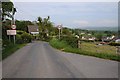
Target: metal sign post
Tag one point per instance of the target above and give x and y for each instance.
(14, 28)
(59, 28)
(11, 32)
(14, 38)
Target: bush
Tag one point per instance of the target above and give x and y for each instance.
(26, 37)
(72, 41)
(5, 42)
(19, 39)
(114, 44)
(58, 44)
(48, 39)
(20, 32)
(23, 37)
(88, 40)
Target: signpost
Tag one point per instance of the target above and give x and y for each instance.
(11, 32)
(59, 28)
(13, 26)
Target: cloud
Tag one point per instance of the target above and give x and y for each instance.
(70, 14)
(66, 0)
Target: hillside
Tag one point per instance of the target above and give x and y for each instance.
(102, 28)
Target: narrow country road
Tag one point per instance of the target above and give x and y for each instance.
(40, 60)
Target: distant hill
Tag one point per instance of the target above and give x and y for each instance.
(102, 28)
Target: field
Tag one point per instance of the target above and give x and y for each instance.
(92, 47)
(89, 49)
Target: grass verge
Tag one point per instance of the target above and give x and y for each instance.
(10, 49)
(62, 45)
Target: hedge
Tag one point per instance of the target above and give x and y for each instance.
(72, 41)
(114, 44)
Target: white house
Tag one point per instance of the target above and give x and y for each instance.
(117, 41)
(92, 38)
(33, 30)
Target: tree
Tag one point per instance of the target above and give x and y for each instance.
(26, 37)
(22, 25)
(7, 8)
(66, 31)
(99, 36)
(45, 25)
(108, 33)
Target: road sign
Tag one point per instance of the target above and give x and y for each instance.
(60, 29)
(13, 26)
(59, 26)
(11, 32)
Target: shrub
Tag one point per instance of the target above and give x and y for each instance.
(20, 32)
(19, 39)
(26, 37)
(58, 44)
(48, 39)
(23, 37)
(72, 41)
(114, 44)
(5, 42)
(88, 40)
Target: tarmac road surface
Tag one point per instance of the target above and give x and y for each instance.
(39, 60)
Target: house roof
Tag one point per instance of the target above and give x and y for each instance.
(33, 28)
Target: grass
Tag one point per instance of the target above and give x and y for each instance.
(92, 47)
(10, 49)
(58, 44)
(62, 45)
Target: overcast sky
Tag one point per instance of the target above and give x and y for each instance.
(71, 14)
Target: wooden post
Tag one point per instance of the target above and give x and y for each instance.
(118, 50)
(79, 44)
(14, 38)
(59, 33)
